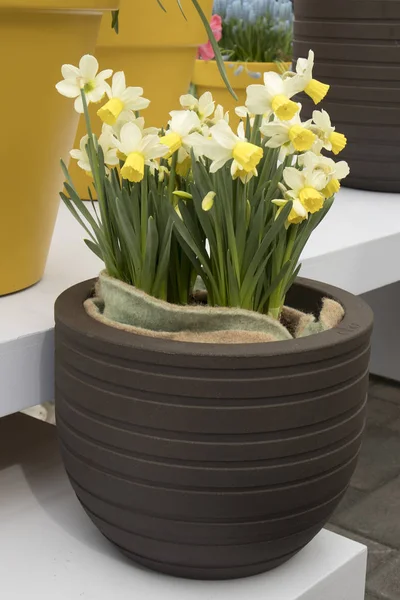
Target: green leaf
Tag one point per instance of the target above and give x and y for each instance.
(95, 248)
(150, 257)
(273, 286)
(270, 236)
(216, 48)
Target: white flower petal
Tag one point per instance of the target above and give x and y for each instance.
(342, 170)
(223, 135)
(88, 66)
(131, 138)
(258, 100)
(274, 83)
(293, 178)
(78, 105)
(70, 72)
(118, 85)
(68, 88)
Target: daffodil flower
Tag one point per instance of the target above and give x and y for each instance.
(130, 117)
(330, 139)
(107, 142)
(204, 107)
(121, 100)
(298, 213)
(86, 78)
(329, 172)
(291, 136)
(305, 186)
(182, 124)
(304, 81)
(139, 150)
(273, 97)
(225, 145)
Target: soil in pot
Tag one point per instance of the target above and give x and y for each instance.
(211, 461)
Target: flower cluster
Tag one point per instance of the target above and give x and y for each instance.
(235, 207)
(255, 30)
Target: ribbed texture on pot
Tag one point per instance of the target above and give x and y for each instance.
(209, 461)
(357, 49)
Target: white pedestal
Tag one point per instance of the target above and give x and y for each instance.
(49, 550)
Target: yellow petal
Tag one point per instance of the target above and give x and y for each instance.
(294, 218)
(331, 189)
(338, 141)
(173, 141)
(110, 112)
(284, 108)
(247, 155)
(301, 138)
(316, 90)
(208, 201)
(133, 169)
(311, 199)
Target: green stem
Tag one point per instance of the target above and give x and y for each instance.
(172, 176)
(256, 128)
(144, 216)
(277, 299)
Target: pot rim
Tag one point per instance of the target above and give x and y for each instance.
(357, 323)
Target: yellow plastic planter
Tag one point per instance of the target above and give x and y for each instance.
(207, 79)
(38, 125)
(157, 51)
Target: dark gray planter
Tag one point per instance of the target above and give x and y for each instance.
(211, 461)
(357, 49)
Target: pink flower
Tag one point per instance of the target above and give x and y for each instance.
(206, 51)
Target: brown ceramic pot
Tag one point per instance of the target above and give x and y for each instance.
(357, 49)
(211, 461)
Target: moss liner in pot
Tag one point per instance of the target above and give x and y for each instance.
(357, 50)
(211, 461)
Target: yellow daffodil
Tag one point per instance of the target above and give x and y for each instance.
(304, 81)
(86, 78)
(225, 145)
(330, 139)
(291, 136)
(297, 215)
(273, 97)
(139, 150)
(121, 100)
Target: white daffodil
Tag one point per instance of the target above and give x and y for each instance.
(330, 139)
(274, 96)
(303, 81)
(225, 145)
(305, 186)
(179, 136)
(121, 99)
(328, 172)
(130, 117)
(86, 78)
(204, 107)
(291, 136)
(139, 150)
(107, 142)
(220, 115)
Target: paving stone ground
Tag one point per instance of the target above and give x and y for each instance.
(370, 511)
